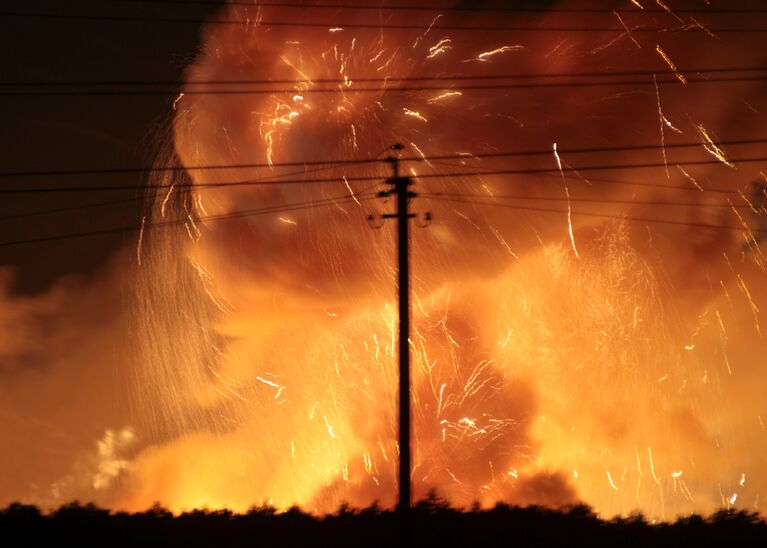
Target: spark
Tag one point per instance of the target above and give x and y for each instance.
(603, 47)
(652, 466)
(467, 219)
(414, 114)
(668, 9)
(140, 239)
(204, 275)
(657, 480)
(676, 474)
(288, 221)
(661, 119)
(387, 63)
(485, 56)
(221, 392)
(178, 98)
(732, 499)
(452, 475)
(711, 147)
(444, 95)
(291, 65)
(742, 481)
(748, 235)
(351, 191)
(637, 4)
(420, 152)
(724, 338)
(383, 449)
(268, 137)
(368, 463)
(748, 202)
(690, 177)
(628, 31)
(671, 64)
(703, 28)
(376, 57)
(610, 480)
(354, 137)
(313, 410)
(267, 382)
(722, 331)
(440, 47)
(504, 244)
(433, 21)
(197, 234)
(439, 400)
(329, 427)
(165, 201)
(335, 29)
(418, 39)
(639, 472)
(198, 201)
(754, 309)
(569, 205)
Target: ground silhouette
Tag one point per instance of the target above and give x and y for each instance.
(432, 522)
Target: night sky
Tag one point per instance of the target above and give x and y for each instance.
(61, 133)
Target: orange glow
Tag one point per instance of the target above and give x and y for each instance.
(620, 372)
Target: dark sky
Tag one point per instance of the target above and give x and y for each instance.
(52, 133)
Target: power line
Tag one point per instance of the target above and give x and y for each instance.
(607, 216)
(178, 169)
(399, 89)
(404, 7)
(365, 198)
(241, 214)
(442, 78)
(482, 28)
(180, 188)
(51, 211)
(360, 161)
(661, 203)
(346, 180)
(436, 195)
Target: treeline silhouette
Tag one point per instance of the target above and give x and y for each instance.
(432, 522)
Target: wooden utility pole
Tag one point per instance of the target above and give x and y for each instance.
(401, 189)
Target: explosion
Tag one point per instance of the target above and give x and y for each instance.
(586, 317)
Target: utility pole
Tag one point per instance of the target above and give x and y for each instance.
(400, 187)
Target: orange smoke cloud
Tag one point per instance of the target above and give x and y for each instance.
(611, 361)
(540, 376)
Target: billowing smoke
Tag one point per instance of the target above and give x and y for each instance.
(594, 356)
(63, 362)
